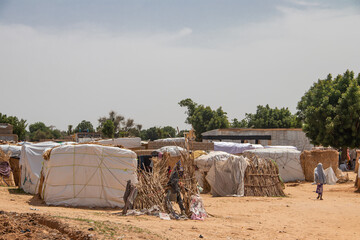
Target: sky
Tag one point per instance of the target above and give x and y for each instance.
(65, 61)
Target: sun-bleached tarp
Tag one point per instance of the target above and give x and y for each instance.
(235, 148)
(174, 151)
(331, 178)
(125, 142)
(88, 175)
(31, 159)
(171, 140)
(226, 178)
(14, 149)
(288, 161)
(204, 162)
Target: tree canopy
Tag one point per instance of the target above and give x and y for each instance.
(84, 126)
(330, 110)
(108, 129)
(203, 118)
(40, 131)
(19, 126)
(266, 117)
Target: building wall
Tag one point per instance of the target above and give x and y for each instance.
(279, 137)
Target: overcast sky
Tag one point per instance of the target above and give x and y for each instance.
(62, 62)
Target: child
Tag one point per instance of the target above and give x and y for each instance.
(320, 180)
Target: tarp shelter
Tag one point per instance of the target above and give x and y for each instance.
(14, 149)
(88, 175)
(235, 148)
(288, 161)
(281, 147)
(125, 142)
(226, 178)
(331, 178)
(205, 162)
(30, 163)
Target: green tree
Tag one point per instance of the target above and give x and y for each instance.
(19, 126)
(108, 129)
(266, 117)
(70, 130)
(168, 132)
(330, 111)
(239, 124)
(40, 131)
(203, 118)
(84, 126)
(117, 119)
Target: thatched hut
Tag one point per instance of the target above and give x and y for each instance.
(246, 175)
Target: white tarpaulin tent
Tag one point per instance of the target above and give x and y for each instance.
(331, 178)
(288, 161)
(226, 178)
(88, 175)
(174, 151)
(204, 162)
(235, 148)
(126, 142)
(15, 150)
(31, 162)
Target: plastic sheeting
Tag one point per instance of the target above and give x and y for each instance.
(126, 142)
(174, 151)
(31, 162)
(331, 178)
(235, 148)
(281, 147)
(288, 161)
(170, 140)
(15, 150)
(88, 175)
(205, 162)
(226, 178)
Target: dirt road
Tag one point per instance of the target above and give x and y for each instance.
(297, 216)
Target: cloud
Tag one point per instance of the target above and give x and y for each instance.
(63, 77)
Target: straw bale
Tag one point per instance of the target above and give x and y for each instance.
(357, 161)
(15, 167)
(310, 159)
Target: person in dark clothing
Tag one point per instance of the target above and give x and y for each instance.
(174, 189)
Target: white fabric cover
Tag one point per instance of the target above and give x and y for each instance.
(15, 150)
(126, 142)
(31, 162)
(174, 151)
(205, 162)
(288, 161)
(226, 178)
(170, 140)
(281, 147)
(88, 175)
(331, 178)
(235, 148)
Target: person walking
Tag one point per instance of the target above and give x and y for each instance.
(320, 180)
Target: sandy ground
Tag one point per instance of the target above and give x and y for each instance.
(297, 216)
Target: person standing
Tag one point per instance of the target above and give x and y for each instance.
(320, 180)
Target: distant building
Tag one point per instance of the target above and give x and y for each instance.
(87, 136)
(270, 136)
(6, 132)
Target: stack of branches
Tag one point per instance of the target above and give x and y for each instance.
(6, 175)
(152, 186)
(262, 177)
